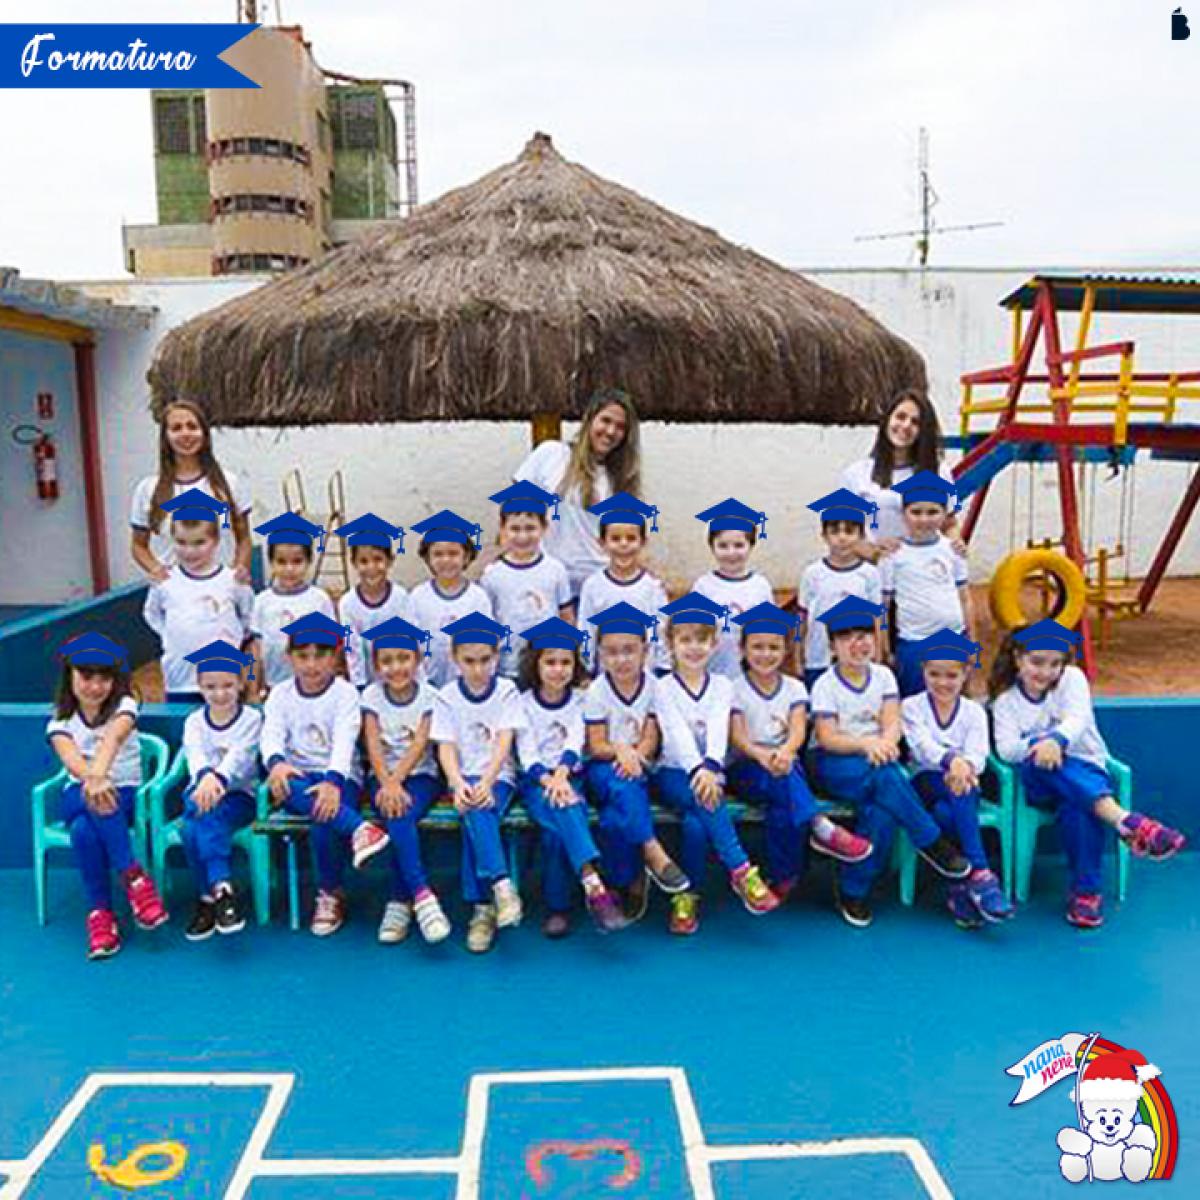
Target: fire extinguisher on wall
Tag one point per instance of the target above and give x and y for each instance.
(45, 467)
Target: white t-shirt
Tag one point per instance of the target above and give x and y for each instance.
(1065, 712)
(160, 542)
(769, 717)
(473, 722)
(930, 742)
(230, 750)
(126, 770)
(625, 719)
(553, 733)
(925, 578)
(354, 611)
(821, 587)
(271, 613)
(315, 733)
(190, 611)
(523, 595)
(574, 539)
(646, 592)
(695, 725)
(400, 723)
(739, 596)
(856, 478)
(858, 710)
(431, 609)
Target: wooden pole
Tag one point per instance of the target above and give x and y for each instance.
(546, 427)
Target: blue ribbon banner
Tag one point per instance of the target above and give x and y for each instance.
(120, 56)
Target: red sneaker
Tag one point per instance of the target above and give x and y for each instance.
(103, 936)
(840, 843)
(368, 840)
(1086, 910)
(148, 909)
(755, 895)
(685, 913)
(1148, 838)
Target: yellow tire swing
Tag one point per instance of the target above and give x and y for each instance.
(1004, 595)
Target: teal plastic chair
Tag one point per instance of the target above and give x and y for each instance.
(167, 832)
(51, 834)
(1029, 820)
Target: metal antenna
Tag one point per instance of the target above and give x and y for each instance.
(247, 12)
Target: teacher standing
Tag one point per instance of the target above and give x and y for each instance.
(604, 458)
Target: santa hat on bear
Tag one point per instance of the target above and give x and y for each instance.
(1116, 1075)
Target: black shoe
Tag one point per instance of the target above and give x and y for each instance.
(637, 900)
(945, 858)
(228, 918)
(670, 879)
(855, 910)
(204, 921)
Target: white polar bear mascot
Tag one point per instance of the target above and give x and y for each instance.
(1112, 1140)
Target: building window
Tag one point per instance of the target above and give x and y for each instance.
(172, 130)
(356, 120)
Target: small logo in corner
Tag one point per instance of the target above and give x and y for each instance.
(1179, 26)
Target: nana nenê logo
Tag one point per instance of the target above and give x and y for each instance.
(1179, 26)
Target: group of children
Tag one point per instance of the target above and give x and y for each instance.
(430, 686)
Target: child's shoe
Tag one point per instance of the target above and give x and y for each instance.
(329, 914)
(393, 927)
(669, 879)
(606, 912)
(103, 936)
(784, 889)
(204, 920)
(1085, 910)
(431, 920)
(685, 913)
(828, 837)
(148, 910)
(854, 910)
(481, 929)
(637, 900)
(228, 915)
(368, 840)
(962, 907)
(945, 858)
(1148, 838)
(556, 925)
(986, 894)
(508, 903)
(754, 893)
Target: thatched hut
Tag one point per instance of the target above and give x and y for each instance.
(517, 297)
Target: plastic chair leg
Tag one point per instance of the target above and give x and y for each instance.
(293, 883)
(259, 855)
(39, 881)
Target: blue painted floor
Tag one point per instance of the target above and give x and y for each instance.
(791, 1027)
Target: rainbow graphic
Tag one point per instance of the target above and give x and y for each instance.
(1155, 1109)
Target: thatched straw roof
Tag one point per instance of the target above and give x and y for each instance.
(523, 293)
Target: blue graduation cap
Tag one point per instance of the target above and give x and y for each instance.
(316, 628)
(478, 627)
(448, 527)
(845, 505)
(395, 631)
(695, 609)
(1047, 633)
(949, 644)
(733, 514)
(927, 486)
(370, 530)
(95, 650)
(851, 612)
(291, 528)
(767, 613)
(624, 508)
(526, 497)
(195, 505)
(221, 656)
(624, 618)
(559, 633)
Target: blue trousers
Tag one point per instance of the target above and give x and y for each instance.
(1072, 791)
(811, 675)
(483, 860)
(957, 816)
(701, 827)
(101, 843)
(790, 808)
(884, 799)
(329, 838)
(625, 821)
(405, 863)
(208, 837)
(567, 843)
(909, 673)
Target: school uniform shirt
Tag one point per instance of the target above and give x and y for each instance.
(429, 608)
(821, 587)
(161, 545)
(190, 611)
(739, 596)
(856, 478)
(1065, 713)
(925, 578)
(360, 615)
(230, 751)
(646, 591)
(126, 769)
(931, 745)
(472, 723)
(553, 733)
(316, 733)
(858, 710)
(574, 539)
(273, 611)
(625, 719)
(768, 716)
(523, 595)
(695, 725)
(400, 722)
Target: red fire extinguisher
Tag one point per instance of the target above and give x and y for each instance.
(45, 467)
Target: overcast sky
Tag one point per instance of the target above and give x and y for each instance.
(788, 125)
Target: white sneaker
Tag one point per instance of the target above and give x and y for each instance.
(328, 915)
(433, 923)
(397, 917)
(368, 840)
(508, 904)
(481, 929)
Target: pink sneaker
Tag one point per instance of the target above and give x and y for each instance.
(1148, 838)
(755, 895)
(367, 842)
(840, 843)
(1085, 910)
(103, 936)
(148, 909)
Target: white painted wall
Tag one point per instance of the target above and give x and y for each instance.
(405, 472)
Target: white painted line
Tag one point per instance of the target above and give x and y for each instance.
(251, 1160)
(279, 1167)
(26, 1170)
(698, 1170)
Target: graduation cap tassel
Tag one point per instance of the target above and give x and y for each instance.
(507, 633)
(587, 637)
(654, 514)
(226, 523)
(478, 532)
(427, 638)
(763, 518)
(322, 546)
(556, 507)
(654, 631)
(874, 510)
(400, 535)
(725, 619)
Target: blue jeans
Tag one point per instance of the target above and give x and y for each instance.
(790, 808)
(957, 816)
(567, 843)
(101, 843)
(1072, 791)
(405, 864)
(208, 837)
(328, 837)
(701, 827)
(483, 860)
(625, 821)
